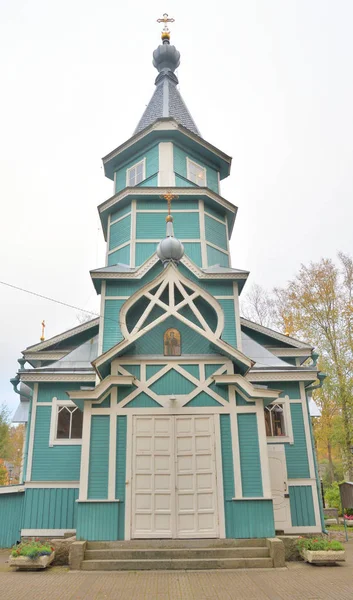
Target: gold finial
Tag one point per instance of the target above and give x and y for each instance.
(165, 30)
(169, 197)
(43, 327)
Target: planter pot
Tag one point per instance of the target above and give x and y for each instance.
(29, 564)
(322, 557)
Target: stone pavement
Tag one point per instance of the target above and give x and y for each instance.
(297, 581)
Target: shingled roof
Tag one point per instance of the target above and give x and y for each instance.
(166, 100)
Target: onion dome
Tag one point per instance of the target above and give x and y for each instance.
(170, 250)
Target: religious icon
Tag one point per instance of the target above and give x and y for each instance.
(172, 344)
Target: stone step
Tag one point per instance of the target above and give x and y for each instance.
(184, 564)
(173, 553)
(167, 543)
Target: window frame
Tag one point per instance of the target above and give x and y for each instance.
(53, 440)
(128, 171)
(189, 162)
(281, 439)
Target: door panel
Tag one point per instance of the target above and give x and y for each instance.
(174, 477)
(278, 475)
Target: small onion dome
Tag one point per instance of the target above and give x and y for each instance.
(170, 249)
(166, 57)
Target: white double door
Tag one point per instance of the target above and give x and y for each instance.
(174, 487)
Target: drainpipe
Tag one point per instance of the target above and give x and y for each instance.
(321, 377)
(14, 382)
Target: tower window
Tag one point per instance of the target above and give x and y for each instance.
(135, 174)
(196, 173)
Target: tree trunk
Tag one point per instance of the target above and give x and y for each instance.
(331, 472)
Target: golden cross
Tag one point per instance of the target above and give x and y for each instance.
(165, 20)
(43, 327)
(169, 197)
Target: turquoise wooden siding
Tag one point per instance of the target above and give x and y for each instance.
(58, 463)
(218, 288)
(216, 257)
(296, 454)
(241, 402)
(50, 508)
(180, 167)
(162, 205)
(153, 225)
(120, 232)
(250, 464)
(221, 390)
(143, 251)
(229, 334)
(142, 401)
(193, 251)
(172, 383)
(289, 388)
(104, 404)
(48, 391)
(251, 519)
(183, 182)
(111, 332)
(127, 288)
(121, 473)
(149, 182)
(99, 457)
(11, 510)
(219, 214)
(210, 369)
(215, 232)
(151, 156)
(192, 369)
(124, 391)
(203, 399)
(120, 256)
(97, 521)
(152, 370)
(120, 212)
(152, 342)
(227, 462)
(301, 505)
(133, 370)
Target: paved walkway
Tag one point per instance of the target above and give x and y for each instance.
(298, 581)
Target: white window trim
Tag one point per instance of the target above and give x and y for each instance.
(143, 161)
(53, 441)
(288, 438)
(189, 161)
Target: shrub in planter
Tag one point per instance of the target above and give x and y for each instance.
(32, 555)
(321, 550)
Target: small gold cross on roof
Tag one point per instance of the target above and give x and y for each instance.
(165, 20)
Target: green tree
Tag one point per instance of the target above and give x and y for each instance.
(4, 431)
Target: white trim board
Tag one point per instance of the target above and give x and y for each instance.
(46, 532)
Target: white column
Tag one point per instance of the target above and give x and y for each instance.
(166, 175)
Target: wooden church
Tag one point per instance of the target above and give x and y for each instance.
(169, 415)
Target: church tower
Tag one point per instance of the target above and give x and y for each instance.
(168, 416)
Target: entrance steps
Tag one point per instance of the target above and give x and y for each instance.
(153, 555)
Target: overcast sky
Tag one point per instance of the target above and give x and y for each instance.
(267, 81)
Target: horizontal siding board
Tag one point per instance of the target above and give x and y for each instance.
(143, 251)
(120, 212)
(216, 257)
(249, 452)
(219, 214)
(180, 167)
(120, 232)
(112, 332)
(121, 256)
(121, 440)
(215, 232)
(97, 521)
(50, 508)
(11, 516)
(99, 457)
(48, 391)
(193, 251)
(301, 505)
(162, 205)
(56, 463)
(229, 332)
(153, 225)
(151, 155)
(127, 288)
(296, 453)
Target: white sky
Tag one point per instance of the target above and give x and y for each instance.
(268, 82)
